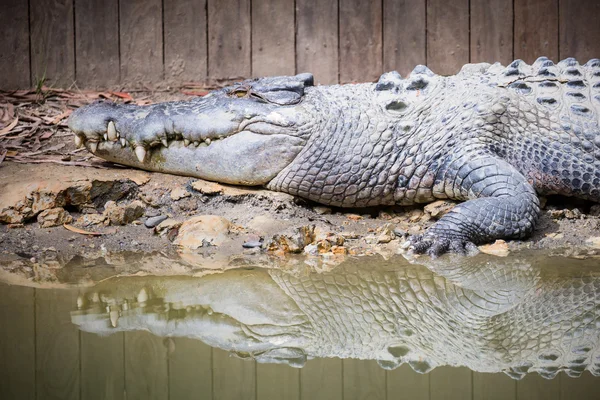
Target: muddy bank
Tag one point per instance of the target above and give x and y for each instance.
(55, 216)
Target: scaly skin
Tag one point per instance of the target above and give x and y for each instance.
(489, 315)
(491, 136)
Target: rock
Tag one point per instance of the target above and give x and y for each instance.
(207, 188)
(595, 210)
(91, 219)
(573, 214)
(293, 242)
(54, 217)
(154, 221)
(167, 226)
(401, 233)
(593, 242)
(439, 208)
(123, 214)
(350, 235)
(556, 214)
(179, 193)
(323, 246)
(386, 233)
(339, 250)
(321, 210)
(554, 235)
(498, 248)
(251, 244)
(203, 231)
(354, 217)
(415, 216)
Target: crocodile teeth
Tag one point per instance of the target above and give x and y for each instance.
(78, 142)
(123, 142)
(140, 152)
(196, 144)
(164, 142)
(106, 136)
(93, 147)
(80, 302)
(114, 318)
(142, 296)
(111, 131)
(186, 142)
(207, 141)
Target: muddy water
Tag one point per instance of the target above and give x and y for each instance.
(356, 331)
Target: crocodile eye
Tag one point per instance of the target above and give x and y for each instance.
(240, 93)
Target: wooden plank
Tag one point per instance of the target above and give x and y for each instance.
(321, 379)
(141, 42)
(276, 381)
(586, 387)
(14, 46)
(492, 31)
(404, 35)
(233, 378)
(17, 342)
(534, 387)
(102, 370)
(52, 42)
(185, 41)
(190, 370)
(447, 35)
(536, 29)
(146, 375)
(363, 379)
(273, 38)
(229, 39)
(317, 39)
(361, 42)
(404, 383)
(451, 383)
(580, 29)
(493, 386)
(97, 43)
(57, 345)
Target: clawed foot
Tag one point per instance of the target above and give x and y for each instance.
(436, 246)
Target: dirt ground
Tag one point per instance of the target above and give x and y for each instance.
(61, 207)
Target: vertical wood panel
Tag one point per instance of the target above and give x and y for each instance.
(97, 42)
(317, 39)
(447, 35)
(536, 29)
(190, 370)
(321, 379)
(404, 35)
(229, 38)
(102, 371)
(52, 42)
(492, 31)
(534, 387)
(17, 343)
(360, 41)
(14, 46)
(493, 386)
(586, 387)
(233, 378)
(276, 381)
(451, 383)
(404, 383)
(141, 41)
(580, 29)
(57, 345)
(146, 376)
(273, 37)
(363, 380)
(185, 40)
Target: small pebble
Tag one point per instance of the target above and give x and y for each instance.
(154, 221)
(251, 244)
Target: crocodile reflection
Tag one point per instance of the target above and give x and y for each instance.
(513, 315)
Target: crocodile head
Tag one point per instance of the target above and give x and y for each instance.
(243, 134)
(337, 145)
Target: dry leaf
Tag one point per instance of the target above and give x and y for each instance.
(81, 231)
(60, 117)
(9, 127)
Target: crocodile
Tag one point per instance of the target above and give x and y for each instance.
(493, 137)
(515, 315)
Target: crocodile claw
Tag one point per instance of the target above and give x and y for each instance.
(436, 246)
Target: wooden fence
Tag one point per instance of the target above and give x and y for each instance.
(108, 43)
(44, 356)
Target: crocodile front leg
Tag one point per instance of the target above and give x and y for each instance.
(501, 204)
